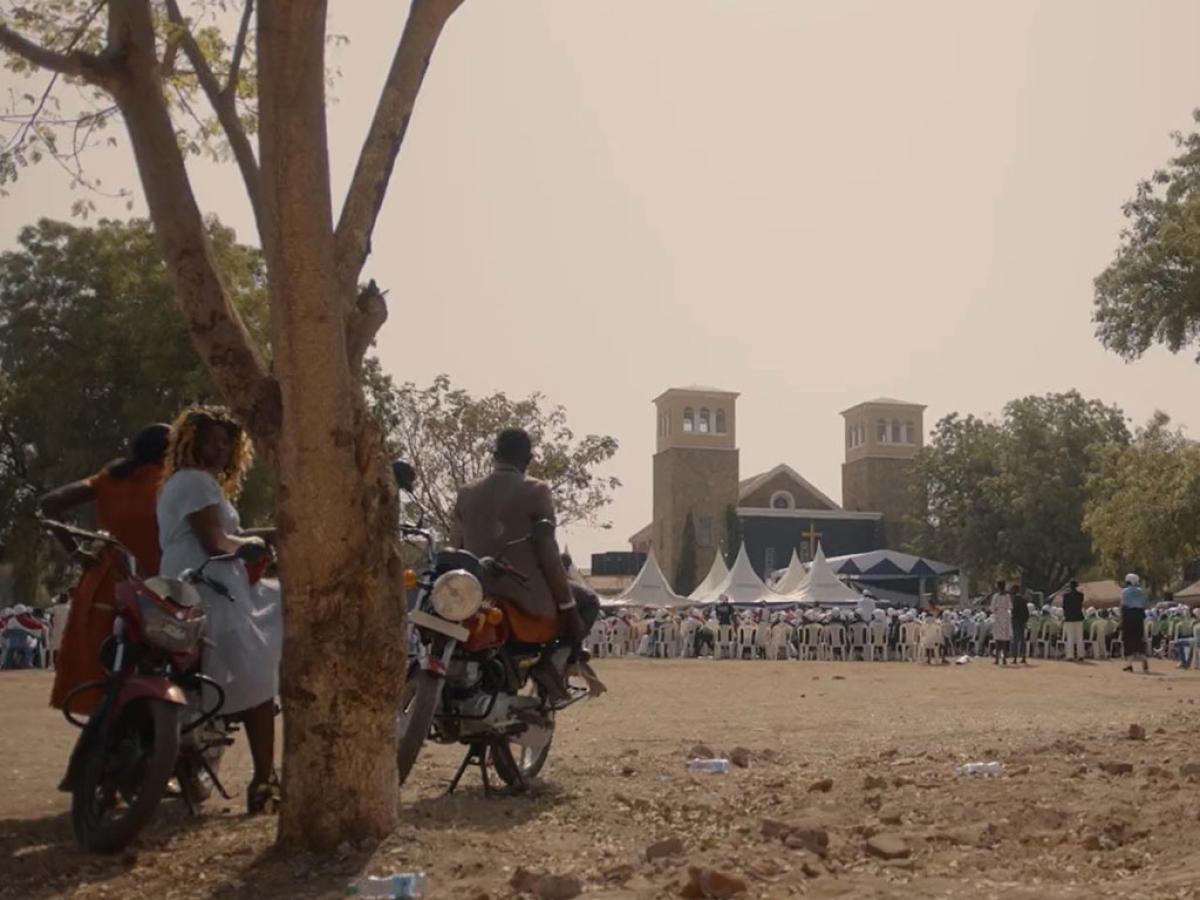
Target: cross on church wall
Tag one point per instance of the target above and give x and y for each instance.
(813, 537)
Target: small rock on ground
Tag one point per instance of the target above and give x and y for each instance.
(888, 846)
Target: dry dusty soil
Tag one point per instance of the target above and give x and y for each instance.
(846, 761)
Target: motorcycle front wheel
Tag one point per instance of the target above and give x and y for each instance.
(122, 779)
(418, 702)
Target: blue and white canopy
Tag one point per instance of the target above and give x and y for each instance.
(881, 564)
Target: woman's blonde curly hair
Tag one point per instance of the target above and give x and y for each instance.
(186, 431)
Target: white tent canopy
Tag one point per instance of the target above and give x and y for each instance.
(740, 585)
(651, 588)
(795, 578)
(716, 576)
(823, 587)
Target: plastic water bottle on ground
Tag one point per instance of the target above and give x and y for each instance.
(709, 766)
(402, 886)
(980, 769)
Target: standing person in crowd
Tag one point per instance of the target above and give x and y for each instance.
(1072, 604)
(1133, 621)
(724, 611)
(206, 462)
(866, 606)
(1002, 624)
(124, 492)
(1020, 622)
(58, 623)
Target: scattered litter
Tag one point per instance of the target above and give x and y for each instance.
(980, 769)
(709, 766)
(401, 886)
(962, 660)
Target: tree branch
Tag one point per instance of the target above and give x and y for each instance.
(226, 109)
(71, 62)
(239, 47)
(369, 313)
(217, 332)
(369, 185)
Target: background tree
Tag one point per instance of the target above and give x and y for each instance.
(91, 350)
(685, 569)
(1150, 294)
(1144, 512)
(1007, 497)
(155, 65)
(448, 436)
(733, 535)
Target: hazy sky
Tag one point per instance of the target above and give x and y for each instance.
(812, 203)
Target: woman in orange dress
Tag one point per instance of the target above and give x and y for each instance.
(125, 492)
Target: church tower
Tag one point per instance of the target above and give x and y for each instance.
(695, 470)
(882, 438)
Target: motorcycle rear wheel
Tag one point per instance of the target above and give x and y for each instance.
(122, 781)
(516, 763)
(418, 702)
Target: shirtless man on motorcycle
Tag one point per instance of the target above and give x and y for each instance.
(498, 510)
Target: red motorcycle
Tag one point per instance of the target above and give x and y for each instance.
(155, 720)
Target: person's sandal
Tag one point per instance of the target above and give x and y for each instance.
(263, 796)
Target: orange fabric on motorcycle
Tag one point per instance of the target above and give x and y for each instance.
(485, 633)
(125, 509)
(529, 629)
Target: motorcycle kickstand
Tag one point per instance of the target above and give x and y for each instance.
(477, 755)
(215, 780)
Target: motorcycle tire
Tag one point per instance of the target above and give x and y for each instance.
(150, 724)
(418, 702)
(516, 764)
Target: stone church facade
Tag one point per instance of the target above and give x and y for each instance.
(696, 471)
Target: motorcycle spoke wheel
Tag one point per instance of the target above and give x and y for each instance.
(121, 783)
(519, 759)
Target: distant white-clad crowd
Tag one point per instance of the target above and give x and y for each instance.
(1005, 626)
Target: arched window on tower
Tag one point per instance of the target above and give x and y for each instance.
(881, 431)
(689, 423)
(849, 437)
(910, 433)
(897, 437)
(720, 416)
(705, 422)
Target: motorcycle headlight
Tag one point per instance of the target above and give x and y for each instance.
(457, 595)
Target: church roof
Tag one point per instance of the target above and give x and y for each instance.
(823, 587)
(883, 401)
(696, 389)
(750, 485)
(794, 578)
(717, 573)
(651, 588)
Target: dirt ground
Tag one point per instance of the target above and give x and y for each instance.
(853, 753)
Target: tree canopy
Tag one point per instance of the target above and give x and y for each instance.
(448, 436)
(1150, 293)
(92, 349)
(1144, 511)
(1007, 497)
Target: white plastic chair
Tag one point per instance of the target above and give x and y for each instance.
(723, 647)
(877, 647)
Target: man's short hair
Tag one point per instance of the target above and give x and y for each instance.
(514, 446)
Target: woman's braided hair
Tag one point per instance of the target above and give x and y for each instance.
(186, 433)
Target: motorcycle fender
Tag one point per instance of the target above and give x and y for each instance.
(145, 688)
(441, 626)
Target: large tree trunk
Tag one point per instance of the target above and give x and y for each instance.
(337, 508)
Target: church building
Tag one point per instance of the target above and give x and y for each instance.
(696, 472)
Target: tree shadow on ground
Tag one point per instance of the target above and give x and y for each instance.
(305, 877)
(41, 858)
(472, 809)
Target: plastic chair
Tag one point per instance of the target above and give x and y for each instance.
(723, 647)
(876, 646)
(858, 636)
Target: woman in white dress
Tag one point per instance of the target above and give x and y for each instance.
(206, 462)
(1002, 624)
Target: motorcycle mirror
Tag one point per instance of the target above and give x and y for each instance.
(405, 475)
